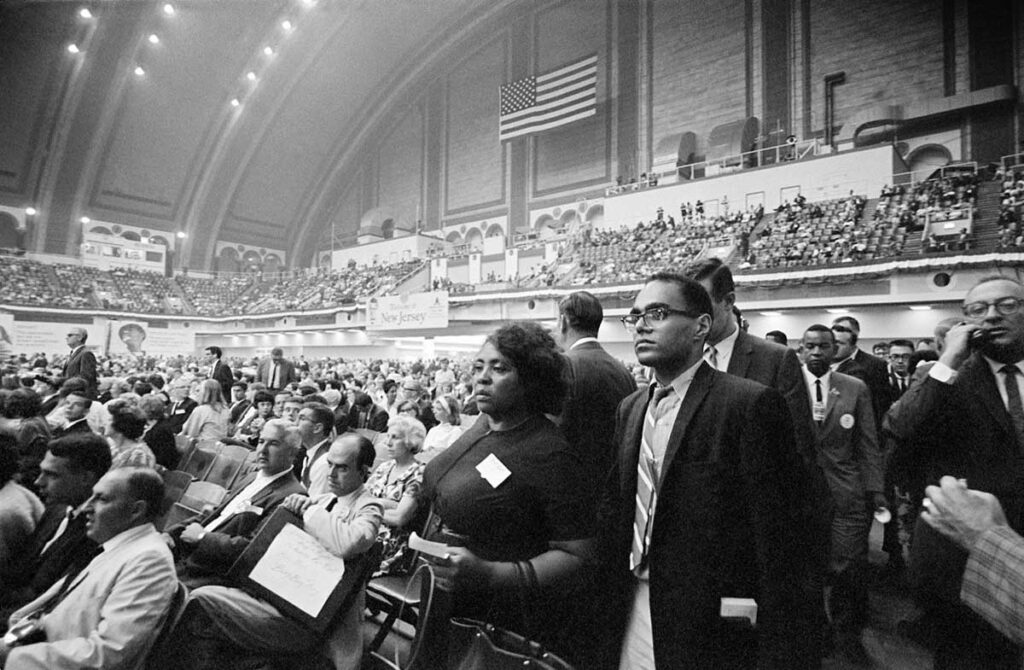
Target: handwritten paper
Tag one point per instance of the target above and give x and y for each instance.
(297, 568)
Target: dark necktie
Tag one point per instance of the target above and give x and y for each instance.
(1013, 402)
(817, 390)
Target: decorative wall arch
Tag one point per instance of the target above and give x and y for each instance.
(454, 237)
(272, 263)
(474, 238)
(927, 158)
(387, 229)
(543, 221)
(495, 230)
(131, 235)
(100, 230)
(227, 260)
(160, 239)
(595, 214)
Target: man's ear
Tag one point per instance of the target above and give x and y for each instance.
(729, 299)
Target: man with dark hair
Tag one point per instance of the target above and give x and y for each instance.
(900, 352)
(597, 384)
(219, 370)
(76, 412)
(699, 506)
(222, 622)
(207, 544)
(315, 423)
(239, 401)
(276, 371)
(966, 419)
(71, 467)
(365, 414)
(80, 362)
(847, 444)
(870, 369)
(107, 615)
(778, 337)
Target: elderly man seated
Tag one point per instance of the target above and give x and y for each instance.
(108, 614)
(221, 623)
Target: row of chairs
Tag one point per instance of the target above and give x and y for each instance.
(206, 472)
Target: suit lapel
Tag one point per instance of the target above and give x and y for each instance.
(741, 355)
(977, 377)
(633, 433)
(699, 388)
(835, 394)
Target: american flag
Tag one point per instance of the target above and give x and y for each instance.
(549, 100)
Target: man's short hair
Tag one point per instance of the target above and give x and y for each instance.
(582, 311)
(277, 351)
(81, 332)
(777, 336)
(216, 351)
(321, 414)
(76, 385)
(902, 343)
(854, 324)
(821, 328)
(146, 485)
(263, 396)
(367, 454)
(840, 328)
(86, 400)
(361, 400)
(292, 437)
(717, 273)
(696, 298)
(156, 381)
(84, 452)
(240, 384)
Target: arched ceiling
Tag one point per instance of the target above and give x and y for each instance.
(225, 119)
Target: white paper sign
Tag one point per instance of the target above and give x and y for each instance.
(297, 568)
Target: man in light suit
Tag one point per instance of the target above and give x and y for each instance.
(698, 506)
(276, 372)
(847, 444)
(207, 544)
(597, 384)
(221, 623)
(965, 420)
(107, 615)
(219, 370)
(81, 362)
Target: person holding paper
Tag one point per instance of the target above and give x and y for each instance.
(220, 624)
(396, 484)
(509, 492)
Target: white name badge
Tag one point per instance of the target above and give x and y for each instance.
(493, 470)
(818, 410)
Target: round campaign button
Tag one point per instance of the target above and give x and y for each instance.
(883, 515)
(846, 421)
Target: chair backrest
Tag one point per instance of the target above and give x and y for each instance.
(200, 494)
(175, 483)
(224, 470)
(157, 654)
(184, 443)
(176, 515)
(198, 462)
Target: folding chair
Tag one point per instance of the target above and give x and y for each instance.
(198, 462)
(226, 465)
(200, 494)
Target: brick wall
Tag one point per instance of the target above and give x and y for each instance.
(400, 171)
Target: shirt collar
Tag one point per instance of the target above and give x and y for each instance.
(313, 449)
(996, 366)
(126, 536)
(680, 383)
(809, 376)
(723, 349)
(582, 340)
(266, 480)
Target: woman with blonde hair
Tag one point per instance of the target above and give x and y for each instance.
(208, 421)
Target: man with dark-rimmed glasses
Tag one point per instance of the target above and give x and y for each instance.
(966, 419)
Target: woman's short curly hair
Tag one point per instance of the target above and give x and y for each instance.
(127, 419)
(541, 367)
(22, 403)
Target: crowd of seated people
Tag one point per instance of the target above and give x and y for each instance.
(948, 198)
(1011, 201)
(150, 292)
(215, 297)
(32, 283)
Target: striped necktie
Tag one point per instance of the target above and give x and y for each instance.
(646, 482)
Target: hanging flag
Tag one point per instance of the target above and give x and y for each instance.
(548, 100)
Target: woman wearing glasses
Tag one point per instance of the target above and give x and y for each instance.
(506, 495)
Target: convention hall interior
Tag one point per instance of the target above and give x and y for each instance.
(344, 178)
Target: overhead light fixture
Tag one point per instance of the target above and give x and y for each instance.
(235, 102)
(268, 51)
(181, 234)
(287, 25)
(85, 13)
(73, 48)
(920, 308)
(771, 313)
(31, 211)
(838, 310)
(169, 9)
(153, 38)
(85, 219)
(139, 72)
(250, 75)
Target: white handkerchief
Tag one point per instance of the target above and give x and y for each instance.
(493, 470)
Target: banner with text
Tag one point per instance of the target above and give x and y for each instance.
(32, 337)
(137, 337)
(408, 312)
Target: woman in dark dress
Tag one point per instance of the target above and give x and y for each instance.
(506, 491)
(158, 434)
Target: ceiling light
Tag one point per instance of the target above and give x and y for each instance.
(268, 51)
(85, 219)
(235, 102)
(153, 38)
(838, 310)
(181, 234)
(31, 211)
(286, 24)
(771, 313)
(169, 9)
(250, 75)
(920, 308)
(85, 13)
(73, 48)
(139, 72)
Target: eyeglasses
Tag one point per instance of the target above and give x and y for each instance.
(1004, 306)
(652, 316)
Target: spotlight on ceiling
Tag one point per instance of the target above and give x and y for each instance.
(287, 25)
(139, 72)
(73, 48)
(31, 211)
(235, 102)
(169, 9)
(153, 38)
(85, 13)
(268, 51)
(84, 219)
(250, 75)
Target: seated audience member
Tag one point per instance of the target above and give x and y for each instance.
(316, 421)
(71, 467)
(396, 484)
(252, 422)
(240, 402)
(21, 419)
(76, 412)
(124, 432)
(209, 420)
(220, 623)
(364, 414)
(207, 544)
(95, 415)
(107, 615)
(292, 406)
(20, 509)
(447, 430)
(181, 405)
(158, 435)
(333, 399)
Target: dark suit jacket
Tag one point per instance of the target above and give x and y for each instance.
(80, 426)
(82, 364)
(377, 420)
(723, 526)
(850, 454)
(160, 440)
(179, 415)
(222, 373)
(286, 373)
(34, 571)
(874, 372)
(208, 560)
(597, 384)
(238, 410)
